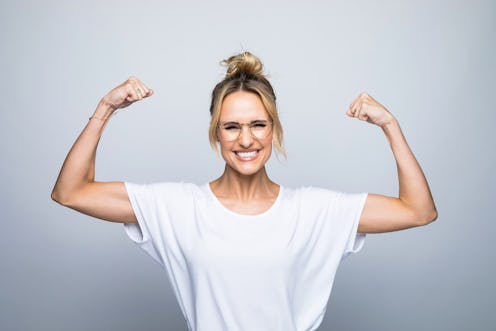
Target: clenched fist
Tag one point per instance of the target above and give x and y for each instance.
(366, 108)
(130, 91)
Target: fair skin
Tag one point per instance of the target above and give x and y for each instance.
(76, 187)
(244, 187)
(414, 205)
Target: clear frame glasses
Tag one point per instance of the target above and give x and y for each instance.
(230, 131)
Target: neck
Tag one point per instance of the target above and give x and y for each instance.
(234, 185)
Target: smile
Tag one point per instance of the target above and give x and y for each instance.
(247, 156)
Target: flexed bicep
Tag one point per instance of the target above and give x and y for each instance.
(108, 201)
(414, 205)
(385, 214)
(75, 186)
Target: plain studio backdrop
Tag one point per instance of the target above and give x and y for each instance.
(431, 63)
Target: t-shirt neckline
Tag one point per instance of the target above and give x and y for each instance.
(243, 216)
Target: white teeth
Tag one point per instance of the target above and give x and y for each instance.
(247, 154)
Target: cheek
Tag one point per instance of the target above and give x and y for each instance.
(225, 149)
(269, 142)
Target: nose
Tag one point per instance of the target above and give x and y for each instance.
(245, 139)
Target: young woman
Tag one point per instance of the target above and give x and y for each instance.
(243, 252)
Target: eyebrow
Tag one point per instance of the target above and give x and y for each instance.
(235, 122)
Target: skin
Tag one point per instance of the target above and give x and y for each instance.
(76, 187)
(414, 205)
(244, 187)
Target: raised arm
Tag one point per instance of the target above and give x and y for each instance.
(75, 186)
(414, 206)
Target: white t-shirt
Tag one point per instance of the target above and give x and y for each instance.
(273, 271)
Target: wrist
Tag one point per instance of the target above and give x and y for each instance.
(104, 110)
(390, 122)
(391, 127)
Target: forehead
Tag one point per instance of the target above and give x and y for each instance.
(242, 106)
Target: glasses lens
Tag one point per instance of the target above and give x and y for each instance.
(260, 129)
(231, 131)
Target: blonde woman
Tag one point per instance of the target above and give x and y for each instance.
(243, 252)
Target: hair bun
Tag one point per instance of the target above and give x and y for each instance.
(246, 63)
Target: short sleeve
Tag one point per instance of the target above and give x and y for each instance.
(347, 209)
(333, 219)
(144, 204)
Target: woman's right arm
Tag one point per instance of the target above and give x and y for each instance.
(75, 186)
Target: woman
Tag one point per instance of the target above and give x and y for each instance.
(242, 252)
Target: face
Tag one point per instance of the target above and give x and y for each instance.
(247, 155)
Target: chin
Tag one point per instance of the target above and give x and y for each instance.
(244, 169)
(248, 172)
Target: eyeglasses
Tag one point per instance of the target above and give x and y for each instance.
(230, 131)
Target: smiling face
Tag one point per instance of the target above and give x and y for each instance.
(246, 155)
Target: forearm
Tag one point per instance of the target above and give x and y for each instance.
(78, 168)
(414, 190)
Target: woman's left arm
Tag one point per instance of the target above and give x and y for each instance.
(414, 206)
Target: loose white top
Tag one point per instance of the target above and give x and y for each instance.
(273, 271)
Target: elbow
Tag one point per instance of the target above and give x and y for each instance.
(56, 196)
(434, 215)
(68, 197)
(60, 197)
(427, 217)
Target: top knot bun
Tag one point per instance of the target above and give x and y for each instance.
(246, 63)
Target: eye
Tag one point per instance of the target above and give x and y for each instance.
(260, 124)
(230, 126)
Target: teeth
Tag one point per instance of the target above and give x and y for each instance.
(247, 154)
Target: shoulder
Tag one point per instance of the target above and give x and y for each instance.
(168, 190)
(172, 186)
(313, 192)
(313, 195)
(307, 197)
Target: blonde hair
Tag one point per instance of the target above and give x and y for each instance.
(244, 73)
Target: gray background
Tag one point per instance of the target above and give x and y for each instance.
(431, 63)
